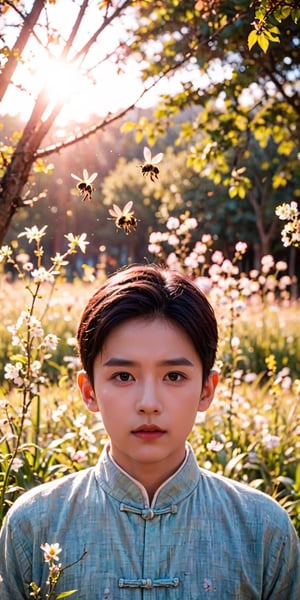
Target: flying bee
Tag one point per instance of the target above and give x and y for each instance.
(85, 184)
(150, 164)
(124, 219)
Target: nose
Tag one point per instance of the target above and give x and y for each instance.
(149, 399)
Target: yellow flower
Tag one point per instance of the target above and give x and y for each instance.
(271, 362)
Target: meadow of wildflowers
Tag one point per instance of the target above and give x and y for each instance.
(251, 432)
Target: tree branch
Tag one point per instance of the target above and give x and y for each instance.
(12, 62)
(43, 152)
(106, 21)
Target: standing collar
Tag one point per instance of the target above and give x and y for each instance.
(124, 488)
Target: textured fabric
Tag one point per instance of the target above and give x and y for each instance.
(203, 536)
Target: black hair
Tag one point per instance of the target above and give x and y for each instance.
(147, 291)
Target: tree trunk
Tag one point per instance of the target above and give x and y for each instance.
(266, 233)
(17, 172)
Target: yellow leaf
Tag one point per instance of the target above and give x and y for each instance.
(139, 136)
(216, 177)
(128, 126)
(286, 148)
(189, 15)
(263, 42)
(151, 138)
(268, 34)
(274, 30)
(241, 122)
(252, 39)
(241, 192)
(260, 14)
(279, 180)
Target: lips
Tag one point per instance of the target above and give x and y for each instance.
(148, 429)
(148, 432)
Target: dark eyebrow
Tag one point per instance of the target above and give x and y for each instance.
(119, 362)
(177, 362)
(170, 362)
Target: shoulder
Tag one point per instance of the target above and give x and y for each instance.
(50, 497)
(238, 498)
(223, 487)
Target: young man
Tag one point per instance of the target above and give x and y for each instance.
(153, 524)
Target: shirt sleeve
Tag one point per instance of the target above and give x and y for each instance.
(15, 568)
(282, 572)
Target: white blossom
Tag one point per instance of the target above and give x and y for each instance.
(33, 233)
(51, 551)
(40, 275)
(172, 223)
(77, 240)
(13, 372)
(50, 341)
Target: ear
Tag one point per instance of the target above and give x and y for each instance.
(208, 391)
(87, 391)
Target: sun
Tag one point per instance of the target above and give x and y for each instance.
(81, 95)
(64, 84)
(63, 80)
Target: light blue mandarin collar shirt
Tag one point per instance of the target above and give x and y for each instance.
(203, 536)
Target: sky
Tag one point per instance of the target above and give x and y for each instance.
(81, 96)
(106, 90)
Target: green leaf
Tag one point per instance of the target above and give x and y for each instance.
(297, 479)
(233, 462)
(282, 13)
(19, 358)
(295, 14)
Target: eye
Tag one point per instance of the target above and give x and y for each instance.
(174, 376)
(123, 376)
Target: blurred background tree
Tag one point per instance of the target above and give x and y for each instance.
(244, 135)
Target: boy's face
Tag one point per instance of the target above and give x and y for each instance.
(148, 387)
